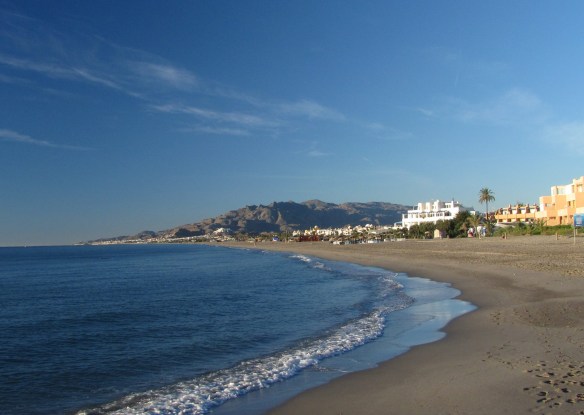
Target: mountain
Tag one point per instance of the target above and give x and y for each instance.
(282, 216)
(286, 216)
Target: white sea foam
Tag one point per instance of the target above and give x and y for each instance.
(302, 258)
(199, 395)
(312, 262)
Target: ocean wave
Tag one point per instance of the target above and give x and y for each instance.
(311, 262)
(302, 258)
(203, 393)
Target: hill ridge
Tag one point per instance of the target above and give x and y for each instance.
(284, 216)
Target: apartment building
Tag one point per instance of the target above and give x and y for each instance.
(563, 203)
(519, 213)
(558, 208)
(431, 212)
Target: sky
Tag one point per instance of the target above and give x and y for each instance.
(123, 116)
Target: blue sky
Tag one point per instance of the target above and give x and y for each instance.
(122, 116)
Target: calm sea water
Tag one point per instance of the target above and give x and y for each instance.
(183, 329)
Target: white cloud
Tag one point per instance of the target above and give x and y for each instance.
(151, 79)
(87, 75)
(47, 69)
(52, 70)
(382, 132)
(311, 149)
(310, 109)
(425, 111)
(219, 116)
(218, 130)
(515, 105)
(9, 135)
(165, 74)
(316, 153)
(524, 110)
(568, 136)
(463, 69)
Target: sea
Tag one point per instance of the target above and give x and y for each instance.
(197, 329)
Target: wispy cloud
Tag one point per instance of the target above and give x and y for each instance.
(155, 75)
(462, 69)
(9, 135)
(88, 75)
(317, 153)
(426, 112)
(568, 136)
(515, 105)
(520, 109)
(383, 132)
(164, 75)
(307, 108)
(60, 71)
(12, 80)
(218, 90)
(310, 109)
(258, 116)
(511, 107)
(218, 130)
(47, 69)
(312, 149)
(226, 117)
(39, 51)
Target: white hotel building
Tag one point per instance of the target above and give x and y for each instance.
(431, 212)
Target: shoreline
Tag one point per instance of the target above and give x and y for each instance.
(521, 351)
(418, 323)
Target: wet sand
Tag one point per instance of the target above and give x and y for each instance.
(521, 351)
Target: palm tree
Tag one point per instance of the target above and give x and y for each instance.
(486, 195)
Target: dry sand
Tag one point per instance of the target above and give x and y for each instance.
(521, 351)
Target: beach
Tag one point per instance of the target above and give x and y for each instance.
(521, 351)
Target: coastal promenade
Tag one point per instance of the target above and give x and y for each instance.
(521, 351)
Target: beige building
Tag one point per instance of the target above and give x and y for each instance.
(556, 209)
(564, 202)
(515, 214)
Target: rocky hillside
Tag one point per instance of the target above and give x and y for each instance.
(287, 216)
(282, 216)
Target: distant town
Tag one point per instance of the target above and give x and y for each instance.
(560, 211)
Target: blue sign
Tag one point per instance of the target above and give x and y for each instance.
(578, 220)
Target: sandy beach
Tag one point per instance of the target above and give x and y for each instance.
(521, 351)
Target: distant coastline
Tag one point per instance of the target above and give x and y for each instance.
(259, 221)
